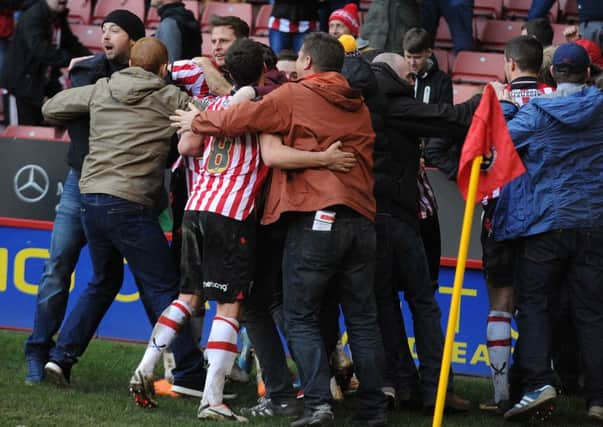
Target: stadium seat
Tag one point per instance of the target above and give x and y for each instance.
(478, 67)
(488, 8)
(264, 40)
(518, 9)
(33, 132)
(150, 32)
(494, 34)
(569, 10)
(261, 20)
(442, 58)
(242, 10)
(89, 35)
(443, 39)
(461, 92)
(103, 7)
(79, 11)
(365, 4)
(153, 18)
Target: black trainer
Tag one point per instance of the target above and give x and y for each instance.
(321, 415)
(267, 408)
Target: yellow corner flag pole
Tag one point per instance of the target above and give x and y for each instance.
(456, 292)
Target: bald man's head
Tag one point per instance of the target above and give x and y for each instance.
(397, 63)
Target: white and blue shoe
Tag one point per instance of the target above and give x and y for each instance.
(538, 404)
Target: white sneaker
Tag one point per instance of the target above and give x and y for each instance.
(219, 413)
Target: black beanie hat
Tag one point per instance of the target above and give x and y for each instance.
(128, 22)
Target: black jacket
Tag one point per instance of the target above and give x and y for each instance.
(296, 10)
(434, 86)
(590, 10)
(190, 31)
(85, 73)
(32, 54)
(405, 121)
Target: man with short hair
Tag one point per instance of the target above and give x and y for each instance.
(523, 59)
(555, 211)
(121, 188)
(286, 64)
(178, 29)
(330, 237)
(120, 30)
(42, 44)
(540, 29)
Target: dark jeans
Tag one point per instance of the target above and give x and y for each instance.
(402, 265)
(116, 229)
(342, 258)
(546, 262)
(66, 242)
(29, 114)
(459, 16)
(291, 41)
(540, 9)
(263, 311)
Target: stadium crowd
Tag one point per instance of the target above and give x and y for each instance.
(298, 188)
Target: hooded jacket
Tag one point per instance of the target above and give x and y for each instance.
(129, 132)
(311, 115)
(179, 31)
(405, 121)
(33, 62)
(559, 141)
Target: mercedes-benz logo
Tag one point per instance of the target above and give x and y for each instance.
(31, 183)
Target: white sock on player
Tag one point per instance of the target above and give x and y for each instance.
(499, 351)
(221, 353)
(164, 332)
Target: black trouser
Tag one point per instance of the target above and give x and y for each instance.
(547, 261)
(28, 113)
(263, 312)
(402, 265)
(344, 259)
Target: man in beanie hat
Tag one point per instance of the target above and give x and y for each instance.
(42, 44)
(554, 214)
(345, 21)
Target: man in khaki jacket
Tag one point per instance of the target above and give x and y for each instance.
(121, 185)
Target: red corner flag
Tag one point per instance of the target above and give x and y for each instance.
(489, 137)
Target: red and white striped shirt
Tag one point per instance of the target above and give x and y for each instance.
(191, 77)
(285, 25)
(231, 175)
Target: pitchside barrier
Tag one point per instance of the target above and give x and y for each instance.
(31, 176)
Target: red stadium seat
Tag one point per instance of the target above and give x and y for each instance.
(365, 4)
(103, 7)
(494, 35)
(79, 11)
(489, 8)
(264, 40)
(442, 58)
(33, 132)
(443, 39)
(461, 92)
(90, 36)
(242, 10)
(261, 20)
(478, 67)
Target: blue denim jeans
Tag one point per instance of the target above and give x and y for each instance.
(117, 229)
(291, 41)
(66, 243)
(340, 260)
(540, 9)
(571, 258)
